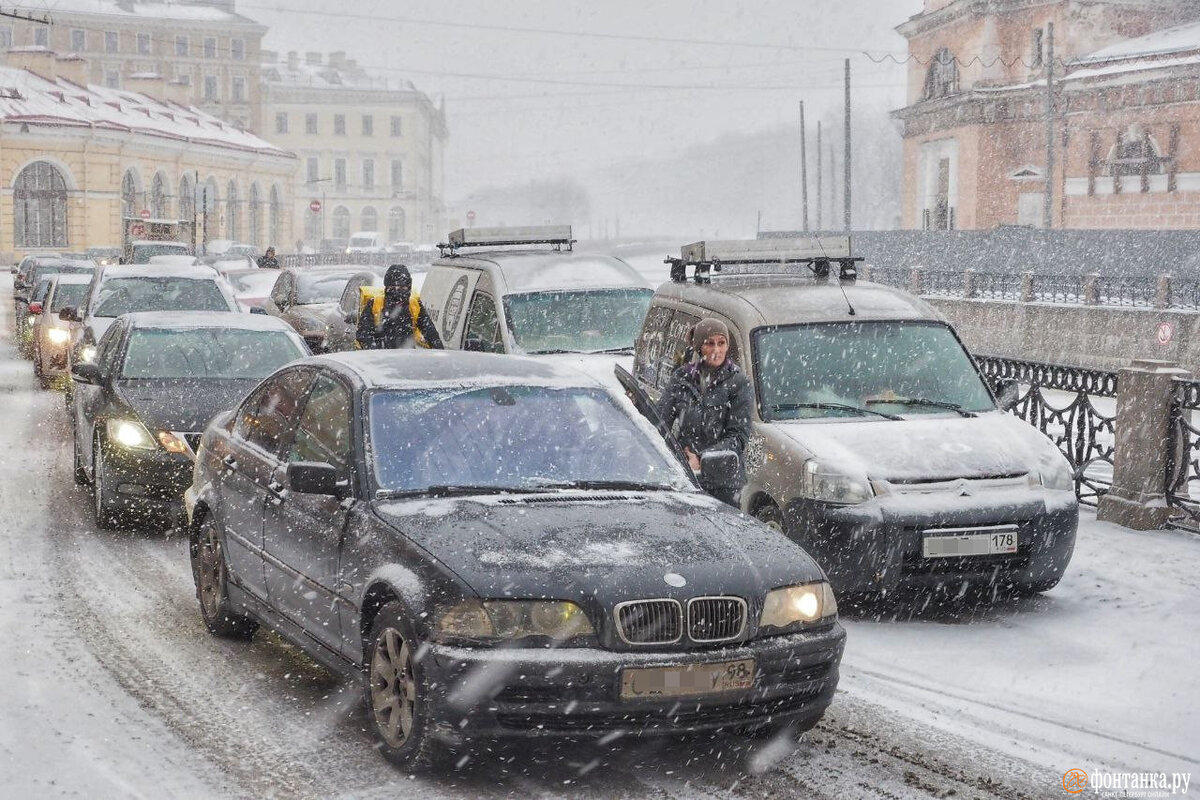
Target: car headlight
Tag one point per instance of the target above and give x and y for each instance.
(796, 606)
(1056, 472)
(509, 620)
(172, 443)
(87, 353)
(130, 433)
(819, 481)
(58, 336)
(309, 326)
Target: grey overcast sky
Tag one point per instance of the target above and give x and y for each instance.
(543, 88)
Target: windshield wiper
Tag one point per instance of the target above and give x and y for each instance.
(452, 490)
(550, 352)
(835, 406)
(626, 349)
(548, 483)
(922, 401)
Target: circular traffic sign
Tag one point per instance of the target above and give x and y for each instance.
(315, 206)
(145, 213)
(1164, 334)
(470, 216)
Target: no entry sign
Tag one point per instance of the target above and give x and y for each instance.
(1164, 334)
(315, 206)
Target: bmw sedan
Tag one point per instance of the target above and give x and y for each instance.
(140, 406)
(498, 546)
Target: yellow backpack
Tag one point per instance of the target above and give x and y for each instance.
(373, 296)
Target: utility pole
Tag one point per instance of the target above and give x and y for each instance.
(820, 198)
(846, 157)
(803, 167)
(1048, 202)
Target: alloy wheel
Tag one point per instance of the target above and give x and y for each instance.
(393, 687)
(209, 563)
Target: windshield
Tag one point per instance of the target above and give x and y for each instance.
(362, 241)
(208, 353)
(68, 295)
(312, 289)
(519, 437)
(61, 268)
(142, 253)
(254, 284)
(125, 295)
(855, 369)
(578, 322)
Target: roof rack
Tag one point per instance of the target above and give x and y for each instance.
(817, 253)
(556, 235)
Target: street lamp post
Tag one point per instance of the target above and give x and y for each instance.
(323, 209)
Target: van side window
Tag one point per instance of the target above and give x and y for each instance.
(677, 345)
(651, 342)
(483, 323)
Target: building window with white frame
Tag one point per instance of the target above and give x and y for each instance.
(339, 124)
(368, 173)
(78, 41)
(397, 127)
(310, 124)
(281, 122)
(313, 169)
(40, 206)
(184, 76)
(210, 47)
(182, 46)
(6, 35)
(368, 128)
(41, 36)
(397, 176)
(112, 42)
(112, 78)
(239, 90)
(143, 44)
(339, 173)
(210, 87)
(237, 49)
(942, 78)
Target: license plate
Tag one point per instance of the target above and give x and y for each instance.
(684, 681)
(971, 543)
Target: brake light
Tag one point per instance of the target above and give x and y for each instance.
(35, 308)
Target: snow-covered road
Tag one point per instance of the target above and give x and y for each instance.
(110, 687)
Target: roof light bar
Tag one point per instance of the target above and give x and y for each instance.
(816, 252)
(557, 235)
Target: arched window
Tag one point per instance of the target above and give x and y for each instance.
(942, 78)
(396, 225)
(187, 198)
(370, 219)
(233, 216)
(1135, 153)
(159, 207)
(255, 216)
(131, 204)
(341, 223)
(40, 207)
(273, 222)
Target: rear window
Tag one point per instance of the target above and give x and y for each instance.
(142, 253)
(127, 295)
(312, 289)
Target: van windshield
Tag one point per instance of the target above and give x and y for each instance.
(842, 369)
(592, 321)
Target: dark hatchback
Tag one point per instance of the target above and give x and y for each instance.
(139, 409)
(498, 546)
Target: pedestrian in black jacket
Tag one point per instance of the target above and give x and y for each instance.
(708, 404)
(268, 260)
(402, 319)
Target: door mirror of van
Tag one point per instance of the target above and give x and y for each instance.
(720, 468)
(1008, 392)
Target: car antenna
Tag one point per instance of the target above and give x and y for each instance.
(826, 259)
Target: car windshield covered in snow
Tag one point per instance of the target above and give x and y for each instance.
(515, 437)
(252, 282)
(852, 369)
(207, 353)
(577, 321)
(321, 287)
(126, 295)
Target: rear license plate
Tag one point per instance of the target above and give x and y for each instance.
(688, 680)
(971, 543)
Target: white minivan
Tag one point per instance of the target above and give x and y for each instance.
(365, 242)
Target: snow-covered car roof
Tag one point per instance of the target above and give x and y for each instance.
(540, 271)
(400, 369)
(207, 319)
(180, 260)
(70, 277)
(199, 272)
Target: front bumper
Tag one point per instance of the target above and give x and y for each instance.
(877, 546)
(575, 692)
(148, 480)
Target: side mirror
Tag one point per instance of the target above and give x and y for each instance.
(35, 308)
(721, 468)
(68, 315)
(315, 477)
(257, 310)
(86, 373)
(1008, 392)
(473, 344)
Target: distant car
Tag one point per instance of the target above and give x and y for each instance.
(225, 262)
(342, 326)
(104, 255)
(496, 546)
(121, 290)
(365, 242)
(139, 409)
(333, 246)
(251, 287)
(142, 251)
(35, 271)
(307, 299)
(51, 335)
(175, 260)
(247, 250)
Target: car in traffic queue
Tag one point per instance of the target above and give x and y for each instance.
(877, 445)
(138, 410)
(23, 290)
(526, 291)
(497, 546)
(307, 299)
(251, 286)
(121, 289)
(51, 334)
(342, 327)
(142, 250)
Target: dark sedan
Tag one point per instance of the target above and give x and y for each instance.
(498, 546)
(158, 377)
(307, 299)
(28, 281)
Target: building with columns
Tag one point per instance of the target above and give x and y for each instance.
(369, 151)
(1121, 148)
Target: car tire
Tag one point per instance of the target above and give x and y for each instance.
(1035, 587)
(398, 695)
(108, 511)
(81, 476)
(211, 576)
(770, 516)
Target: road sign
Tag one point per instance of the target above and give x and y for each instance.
(1164, 334)
(315, 206)
(145, 213)
(471, 216)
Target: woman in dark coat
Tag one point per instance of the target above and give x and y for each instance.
(708, 404)
(402, 317)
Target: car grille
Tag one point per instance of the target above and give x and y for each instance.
(661, 621)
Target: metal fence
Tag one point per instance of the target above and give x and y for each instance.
(364, 259)
(1183, 452)
(1061, 402)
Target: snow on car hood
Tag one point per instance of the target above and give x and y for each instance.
(598, 366)
(928, 447)
(182, 404)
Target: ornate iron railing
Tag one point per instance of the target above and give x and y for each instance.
(944, 283)
(991, 286)
(1058, 288)
(890, 276)
(1183, 453)
(1135, 292)
(1060, 402)
(330, 259)
(1185, 295)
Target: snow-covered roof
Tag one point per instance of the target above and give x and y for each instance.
(29, 98)
(333, 73)
(1180, 39)
(137, 10)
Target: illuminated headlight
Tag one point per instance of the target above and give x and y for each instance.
(87, 353)
(58, 336)
(796, 606)
(830, 485)
(172, 443)
(130, 433)
(508, 620)
(1056, 472)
